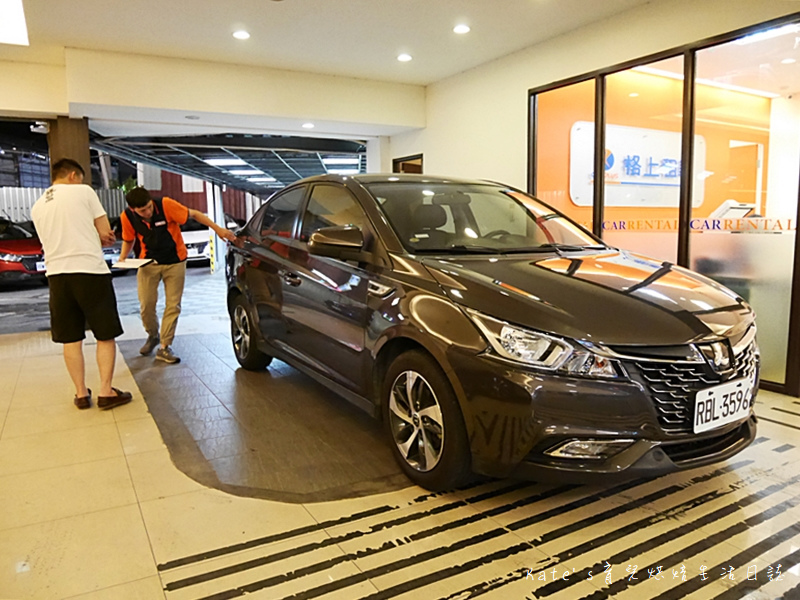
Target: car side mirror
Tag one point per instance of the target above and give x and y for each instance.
(342, 242)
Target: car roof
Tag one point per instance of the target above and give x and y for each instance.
(368, 178)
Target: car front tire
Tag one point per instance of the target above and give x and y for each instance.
(424, 423)
(244, 338)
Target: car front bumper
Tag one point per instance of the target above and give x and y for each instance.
(515, 416)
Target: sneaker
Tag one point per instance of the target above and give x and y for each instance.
(167, 355)
(118, 399)
(149, 345)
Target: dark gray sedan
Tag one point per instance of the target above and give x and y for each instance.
(492, 334)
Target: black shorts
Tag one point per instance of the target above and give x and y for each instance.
(79, 301)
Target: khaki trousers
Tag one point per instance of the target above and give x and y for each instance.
(148, 278)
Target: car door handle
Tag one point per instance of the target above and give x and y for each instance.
(292, 279)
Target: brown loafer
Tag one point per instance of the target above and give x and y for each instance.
(118, 399)
(83, 402)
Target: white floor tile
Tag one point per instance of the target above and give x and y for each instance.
(77, 555)
(155, 476)
(62, 492)
(58, 448)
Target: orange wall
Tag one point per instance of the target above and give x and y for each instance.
(722, 116)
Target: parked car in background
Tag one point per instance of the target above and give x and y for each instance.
(21, 255)
(197, 238)
(491, 333)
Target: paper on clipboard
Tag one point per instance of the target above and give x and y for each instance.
(132, 263)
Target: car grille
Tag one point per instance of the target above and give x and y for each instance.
(29, 262)
(673, 385)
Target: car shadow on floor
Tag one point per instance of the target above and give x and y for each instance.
(276, 434)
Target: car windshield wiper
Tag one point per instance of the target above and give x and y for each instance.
(569, 247)
(475, 249)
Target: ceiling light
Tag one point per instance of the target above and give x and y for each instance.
(265, 178)
(404, 57)
(246, 172)
(461, 29)
(341, 161)
(241, 35)
(12, 26)
(343, 171)
(308, 126)
(788, 61)
(225, 162)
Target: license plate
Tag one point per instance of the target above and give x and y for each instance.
(722, 404)
(40, 265)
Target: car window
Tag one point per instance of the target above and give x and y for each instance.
(330, 206)
(280, 213)
(472, 217)
(11, 231)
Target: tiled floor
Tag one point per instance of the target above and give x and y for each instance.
(93, 506)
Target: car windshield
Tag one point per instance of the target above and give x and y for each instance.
(474, 218)
(10, 231)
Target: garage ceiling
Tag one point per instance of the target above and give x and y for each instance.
(265, 162)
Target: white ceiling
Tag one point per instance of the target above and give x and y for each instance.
(354, 38)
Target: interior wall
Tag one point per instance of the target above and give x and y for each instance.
(477, 122)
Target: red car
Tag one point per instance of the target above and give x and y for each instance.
(21, 255)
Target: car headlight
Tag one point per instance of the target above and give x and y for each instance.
(11, 257)
(544, 351)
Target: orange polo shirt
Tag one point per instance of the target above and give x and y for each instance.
(176, 215)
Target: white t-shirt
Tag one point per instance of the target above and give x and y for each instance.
(64, 219)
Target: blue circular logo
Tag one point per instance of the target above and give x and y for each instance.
(609, 159)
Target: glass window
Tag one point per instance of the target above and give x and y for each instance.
(280, 213)
(565, 150)
(331, 206)
(473, 218)
(643, 158)
(744, 205)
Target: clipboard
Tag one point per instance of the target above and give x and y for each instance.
(132, 263)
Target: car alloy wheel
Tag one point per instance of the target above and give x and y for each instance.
(424, 421)
(416, 421)
(244, 344)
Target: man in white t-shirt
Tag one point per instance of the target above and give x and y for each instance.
(72, 226)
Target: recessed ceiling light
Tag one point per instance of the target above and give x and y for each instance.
(12, 26)
(264, 179)
(788, 61)
(343, 171)
(461, 29)
(308, 126)
(404, 57)
(241, 35)
(225, 162)
(246, 172)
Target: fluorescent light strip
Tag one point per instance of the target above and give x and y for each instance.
(341, 161)
(246, 172)
(343, 171)
(225, 162)
(261, 179)
(708, 82)
(13, 29)
(768, 34)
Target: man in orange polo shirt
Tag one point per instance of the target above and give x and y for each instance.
(156, 223)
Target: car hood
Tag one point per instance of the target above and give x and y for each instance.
(608, 297)
(29, 246)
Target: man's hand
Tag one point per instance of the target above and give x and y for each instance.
(108, 239)
(226, 234)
